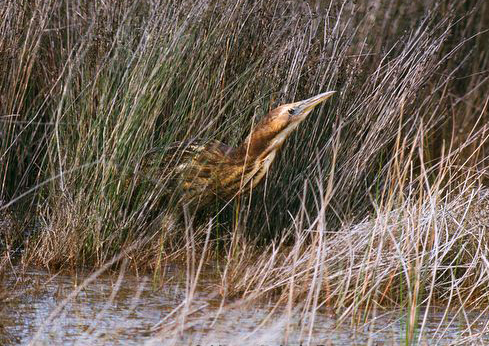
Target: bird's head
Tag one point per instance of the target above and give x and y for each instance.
(270, 133)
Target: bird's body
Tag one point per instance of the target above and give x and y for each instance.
(200, 173)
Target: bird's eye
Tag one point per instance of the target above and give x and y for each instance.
(291, 111)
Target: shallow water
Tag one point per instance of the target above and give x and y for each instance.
(132, 310)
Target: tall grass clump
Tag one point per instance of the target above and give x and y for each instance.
(378, 199)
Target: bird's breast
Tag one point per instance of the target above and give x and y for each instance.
(265, 166)
(261, 168)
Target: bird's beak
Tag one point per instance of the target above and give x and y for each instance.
(308, 105)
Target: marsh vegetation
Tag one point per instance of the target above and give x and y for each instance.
(379, 200)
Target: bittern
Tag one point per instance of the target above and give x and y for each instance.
(203, 173)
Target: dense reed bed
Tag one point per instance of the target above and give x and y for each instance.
(379, 199)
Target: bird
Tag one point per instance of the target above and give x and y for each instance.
(202, 173)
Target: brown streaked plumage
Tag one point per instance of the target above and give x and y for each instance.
(203, 172)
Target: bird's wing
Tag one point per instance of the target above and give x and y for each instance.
(178, 151)
(174, 158)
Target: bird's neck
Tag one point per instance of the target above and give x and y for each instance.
(259, 144)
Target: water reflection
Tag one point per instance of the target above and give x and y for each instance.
(133, 310)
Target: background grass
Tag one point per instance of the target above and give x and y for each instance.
(380, 184)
